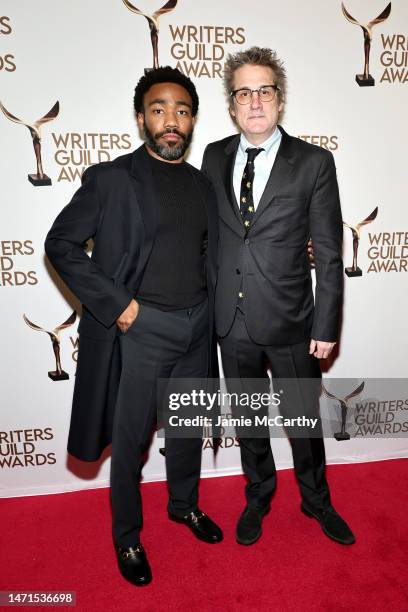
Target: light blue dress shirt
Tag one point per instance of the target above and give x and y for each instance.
(263, 164)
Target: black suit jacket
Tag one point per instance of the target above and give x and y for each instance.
(115, 207)
(300, 200)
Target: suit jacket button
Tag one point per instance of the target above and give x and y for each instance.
(246, 240)
(237, 271)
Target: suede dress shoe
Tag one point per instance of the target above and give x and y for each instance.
(249, 527)
(133, 565)
(332, 524)
(201, 526)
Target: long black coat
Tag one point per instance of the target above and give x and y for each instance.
(115, 207)
(301, 199)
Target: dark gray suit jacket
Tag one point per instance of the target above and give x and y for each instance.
(301, 199)
(115, 206)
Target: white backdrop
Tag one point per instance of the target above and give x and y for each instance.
(89, 56)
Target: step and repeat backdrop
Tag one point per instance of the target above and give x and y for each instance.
(67, 74)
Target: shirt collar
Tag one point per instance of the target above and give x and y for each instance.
(267, 144)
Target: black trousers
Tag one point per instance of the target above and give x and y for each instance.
(157, 345)
(242, 358)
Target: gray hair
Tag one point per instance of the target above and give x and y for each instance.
(255, 56)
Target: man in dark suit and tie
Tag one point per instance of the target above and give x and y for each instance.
(148, 295)
(274, 192)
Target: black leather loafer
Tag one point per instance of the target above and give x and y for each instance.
(332, 524)
(133, 565)
(249, 526)
(201, 526)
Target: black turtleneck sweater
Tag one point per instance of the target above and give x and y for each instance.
(175, 274)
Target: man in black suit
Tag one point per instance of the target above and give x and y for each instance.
(274, 192)
(147, 294)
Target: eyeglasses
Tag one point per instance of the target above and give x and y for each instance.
(266, 93)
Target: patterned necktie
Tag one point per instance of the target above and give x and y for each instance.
(246, 201)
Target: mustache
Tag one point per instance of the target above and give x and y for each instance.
(170, 131)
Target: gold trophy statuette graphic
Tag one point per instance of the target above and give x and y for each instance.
(365, 79)
(39, 179)
(354, 270)
(153, 21)
(55, 335)
(343, 434)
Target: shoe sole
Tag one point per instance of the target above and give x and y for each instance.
(137, 584)
(131, 580)
(177, 519)
(329, 535)
(249, 542)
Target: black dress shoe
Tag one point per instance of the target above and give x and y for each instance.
(201, 525)
(133, 565)
(249, 527)
(332, 524)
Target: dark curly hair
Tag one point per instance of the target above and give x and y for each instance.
(164, 74)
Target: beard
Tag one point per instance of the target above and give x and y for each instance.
(169, 151)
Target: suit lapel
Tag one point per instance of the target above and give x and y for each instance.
(208, 199)
(142, 185)
(280, 174)
(229, 208)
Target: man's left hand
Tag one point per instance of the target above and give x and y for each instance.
(320, 349)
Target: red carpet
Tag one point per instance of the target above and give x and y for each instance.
(62, 542)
